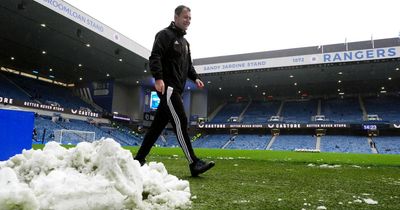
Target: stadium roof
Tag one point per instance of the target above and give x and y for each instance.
(69, 49)
(323, 79)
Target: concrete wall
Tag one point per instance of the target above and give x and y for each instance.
(128, 100)
(199, 102)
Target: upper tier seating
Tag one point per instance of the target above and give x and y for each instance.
(229, 110)
(260, 111)
(386, 107)
(8, 89)
(342, 110)
(299, 111)
(44, 92)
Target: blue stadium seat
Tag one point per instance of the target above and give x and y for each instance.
(387, 144)
(211, 141)
(260, 111)
(229, 110)
(342, 110)
(386, 107)
(346, 144)
(299, 111)
(122, 136)
(292, 142)
(249, 142)
(8, 89)
(44, 92)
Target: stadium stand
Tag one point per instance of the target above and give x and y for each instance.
(212, 141)
(346, 144)
(121, 135)
(9, 89)
(43, 123)
(228, 111)
(342, 110)
(338, 110)
(250, 142)
(387, 144)
(299, 111)
(260, 111)
(167, 140)
(293, 142)
(349, 110)
(44, 92)
(386, 107)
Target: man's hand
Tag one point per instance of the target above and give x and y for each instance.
(160, 86)
(199, 83)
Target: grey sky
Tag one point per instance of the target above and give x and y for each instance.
(225, 27)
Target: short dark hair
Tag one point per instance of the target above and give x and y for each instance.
(180, 8)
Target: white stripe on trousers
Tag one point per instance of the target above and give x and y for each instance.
(179, 134)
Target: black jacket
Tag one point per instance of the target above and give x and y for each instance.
(170, 58)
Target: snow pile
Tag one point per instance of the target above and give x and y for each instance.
(366, 200)
(98, 175)
(370, 201)
(329, 166)
(324, 165)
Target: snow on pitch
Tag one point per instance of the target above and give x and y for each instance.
(98, 175)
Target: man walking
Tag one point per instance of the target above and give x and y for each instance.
(171, 64)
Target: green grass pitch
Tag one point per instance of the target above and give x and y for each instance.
(244, 179)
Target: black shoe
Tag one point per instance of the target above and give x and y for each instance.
(142, 162)
(200, 167)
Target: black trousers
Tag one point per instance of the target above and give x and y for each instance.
(171, 110)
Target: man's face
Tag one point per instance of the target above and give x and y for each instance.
(183, 20)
